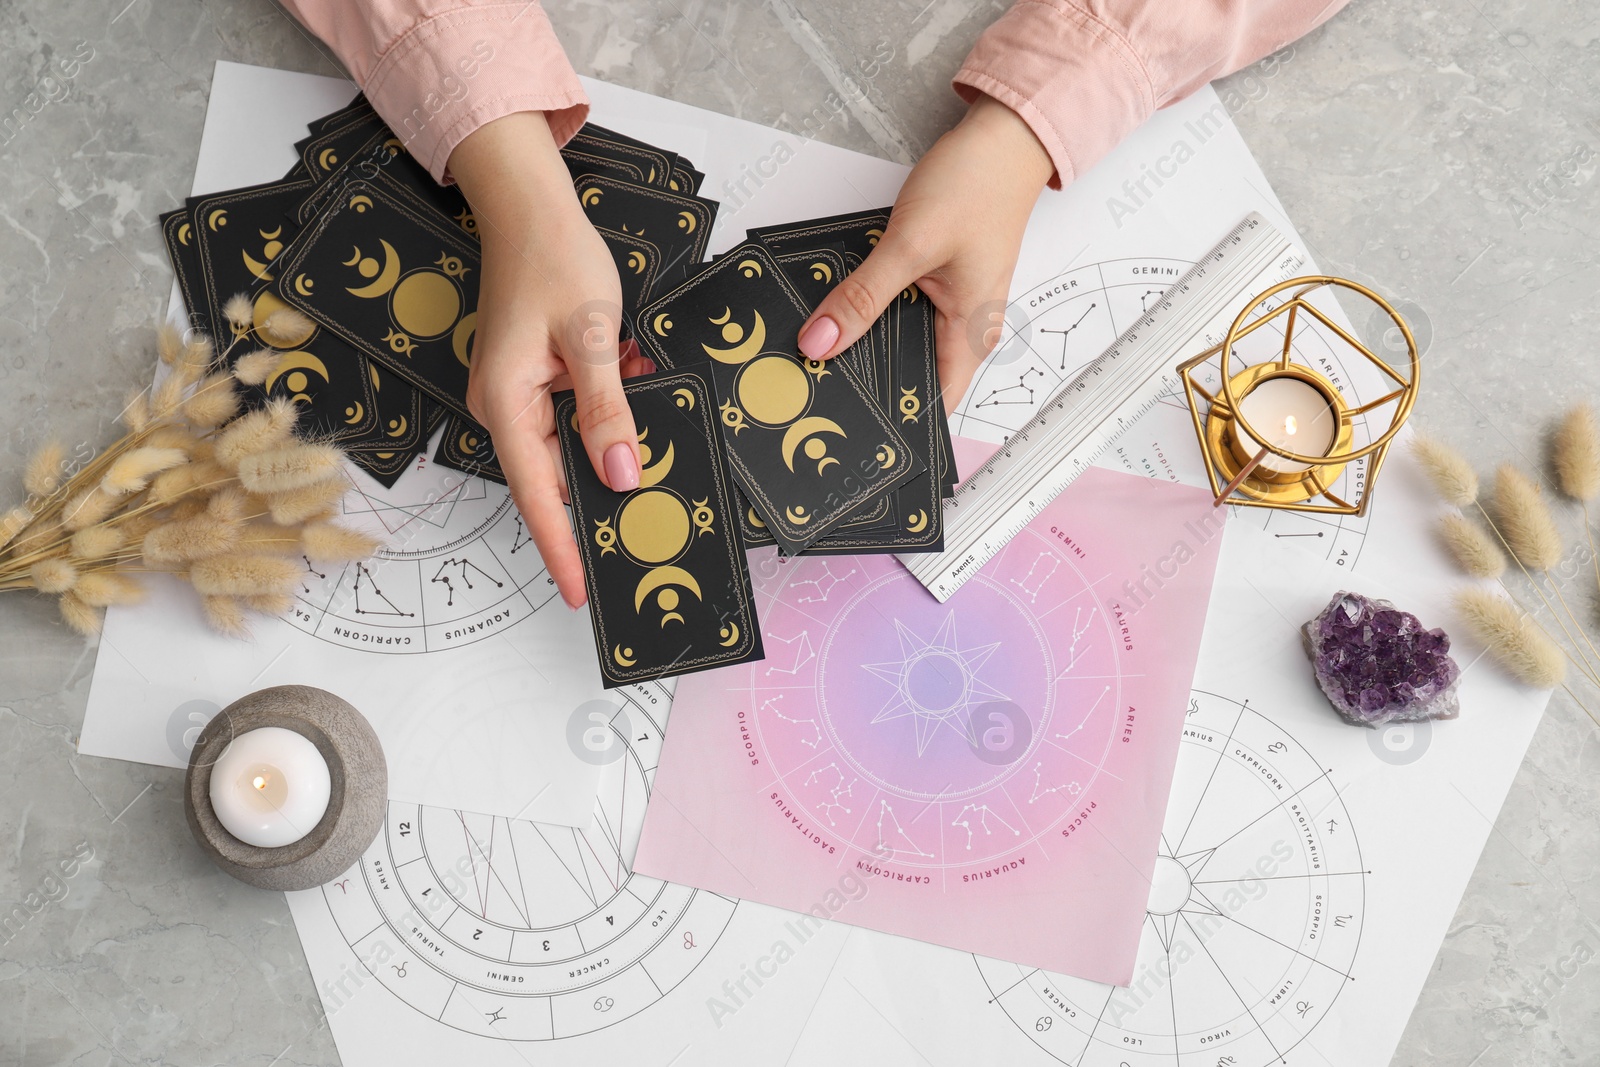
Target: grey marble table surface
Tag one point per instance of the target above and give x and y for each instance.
(1439, 151)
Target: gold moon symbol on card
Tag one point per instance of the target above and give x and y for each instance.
(589, 197)
(183, 234)
(663, 578)
(918, 522)
(754, 519)
(266, 303)
(815, 449)
(772, 389)
(750, 268)
(797, 515)
(255, 266)
(356, 413)
(684, 398)
(461, 338)
(744, 348)
(822, 272)
(730, 635)
(217, 219)
(910, 405)
(653, 526)
(426, 303)
(366, 266)
(623, 656)
(297, 362)
(468, 443)
(400, 427)
(687, 222)
(910, 294)
(636, 262)
(885, 456)
(327, 159)
(302, 284)
(873, 236)
(661, 324)
(652, 473)
(360, 202)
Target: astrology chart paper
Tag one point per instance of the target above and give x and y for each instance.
(996, 765)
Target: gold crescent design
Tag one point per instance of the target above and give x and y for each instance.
(731, 632)
(327, 159)
(744, 352)
(461, 337)
(755, 520)
(671, 616)
(886, 456)
(589, 197)
(355, 257)
(918, 522)
(217, 218)
(661, 576)
(255, 266)
(658, 470)
(799, 518)
(357, 413)
(822, 271)
(401, 424)
(802, 429)
(302, 284)
(183, 234)
(687, 222)
(727, 313)
(295, 361)
(623, 656)
(685, 400)
(372, 373)
(467, 443)
(873, 236)
(636, 261)
(910, 294)
(386, 277)
(661, 324)
(748, 265)
(360, 202)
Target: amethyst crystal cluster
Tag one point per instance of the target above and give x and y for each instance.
(1378, 665)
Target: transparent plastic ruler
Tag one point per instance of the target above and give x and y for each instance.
(1083, 418)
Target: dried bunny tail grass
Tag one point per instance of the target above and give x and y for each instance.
(229, 504)
(328, 542)
(43, 473)
(1525, 520)
(169, 343)
(295, 467)
(286, 328)
(88, 508)
(1512, 638)
(14, 522)
(1577, 454)
(197, 356)
(170, 485)
(53, 575)
(257, 431)
(136, 412)
(131, 472)
(35, 540)
(214, 402)
(238, 312)
(191, 538)
(97, 542)
(242, 575)
(80, 616)
(172, 436)
(270, 538)
(306, 503)
(102, 589)
(1451, 474)
(169, 394)
(1471, 545)
(225, 615)
(188, 509)
(257, 367)
(270, 603)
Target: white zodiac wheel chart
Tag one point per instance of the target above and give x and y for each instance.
(457, 566)
(899, 724)
(1057, 328)
(523, 932)
(1254, 919)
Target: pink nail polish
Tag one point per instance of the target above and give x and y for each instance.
(622, 470)
(819, 337)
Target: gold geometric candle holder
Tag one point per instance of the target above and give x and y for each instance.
(1251, 427)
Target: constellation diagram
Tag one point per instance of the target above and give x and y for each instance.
(457, 566)
(920, 735)
(518, 931)
(1253, 923)
(1055, 330)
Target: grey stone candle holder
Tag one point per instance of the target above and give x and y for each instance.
(357, 771)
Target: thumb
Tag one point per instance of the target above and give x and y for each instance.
(605, 422)
(860, 297)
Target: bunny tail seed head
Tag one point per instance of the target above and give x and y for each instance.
(87, 508)
(242, 575)
(238, 312)
(53, 575)
(14, 522)
(327, 542)
(214, 402)
(294, 506)
(294, 467)
(1512, 639)
(287, 328)
(1452, 476)
(195, 537)
(96, 542)
(1577, 454)
(257, 431)
(131, 472)
(102, 589)
(257, 367)
(270, 603)
(169, 343)
(225, 615)
(43, 473)
(136, 412)
(1474, 549)
(80, 616)
(1525, 519)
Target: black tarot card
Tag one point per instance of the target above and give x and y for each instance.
(654, 164)
(669, 591)
(183, 249)
(401, 415)
(805, 439)
(395, 282)
(466, 447)
(680, 226)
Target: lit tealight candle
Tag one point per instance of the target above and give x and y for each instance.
(270, 788)
(1295, 414)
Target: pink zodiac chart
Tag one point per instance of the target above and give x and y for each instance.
(972, 760)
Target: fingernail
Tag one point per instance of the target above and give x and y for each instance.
(622, 470)
(819, 337)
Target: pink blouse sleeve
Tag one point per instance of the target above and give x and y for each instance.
(1083, 74)
(438, 69)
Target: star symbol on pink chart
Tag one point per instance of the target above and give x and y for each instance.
(935, 682)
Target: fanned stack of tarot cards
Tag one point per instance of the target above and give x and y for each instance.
(744, 442)
(385, 263)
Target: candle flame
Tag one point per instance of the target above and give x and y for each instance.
(260, 782)
(1291, 425)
